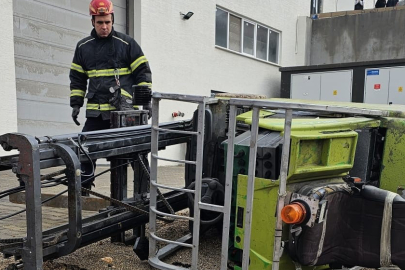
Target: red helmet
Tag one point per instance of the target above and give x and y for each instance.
(101, 7)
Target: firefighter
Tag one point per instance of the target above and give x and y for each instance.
(106, 59)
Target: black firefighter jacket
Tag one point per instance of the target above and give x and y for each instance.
(99, 60)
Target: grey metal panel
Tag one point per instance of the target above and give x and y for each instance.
(41, 91)
(42, 72)
(306, 86)
(337, 86)
(45, 35)
(396, 92)
(63, 16)
(47, 53)
(376, 85)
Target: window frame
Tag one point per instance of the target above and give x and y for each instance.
(254, 37)
(255, 25)
(278, 46)
(267, 42)
(241, 31)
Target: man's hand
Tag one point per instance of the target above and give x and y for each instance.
(75, 113)
(149, 108)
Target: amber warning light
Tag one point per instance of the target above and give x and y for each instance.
(293, 213)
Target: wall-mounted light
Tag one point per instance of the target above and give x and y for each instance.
(187, 16)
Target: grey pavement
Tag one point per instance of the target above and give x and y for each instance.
(15, 227)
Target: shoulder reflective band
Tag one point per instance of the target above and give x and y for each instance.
(100, 107)
(77, 68)
(77, 93)
(107, 72)
(120, 39)
(138, 62)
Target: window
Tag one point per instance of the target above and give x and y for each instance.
(246, 37)
(221, 28)
(261, 44)
(273, 46)
(235, 32)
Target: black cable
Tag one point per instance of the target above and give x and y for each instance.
(8, 194)
(160, 195)
(18, 189)
(22, 188)
(23, 210)
(64, 182)
(12, 215)
(51, 198)
(10, 190)
(88, 157)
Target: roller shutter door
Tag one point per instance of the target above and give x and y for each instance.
(45, 35)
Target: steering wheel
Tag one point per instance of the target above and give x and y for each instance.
(214, 187)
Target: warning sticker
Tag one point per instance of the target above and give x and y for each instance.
(377, 87)
(335, 92)
(400, 89)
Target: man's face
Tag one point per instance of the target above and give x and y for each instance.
(103, 25)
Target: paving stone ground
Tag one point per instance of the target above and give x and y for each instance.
(15, 227)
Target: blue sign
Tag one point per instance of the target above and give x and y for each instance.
(371, 72)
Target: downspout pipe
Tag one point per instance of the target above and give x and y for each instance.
(316, 6)
(127, 17)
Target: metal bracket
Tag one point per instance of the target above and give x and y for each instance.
(313, 205)
(73, 174)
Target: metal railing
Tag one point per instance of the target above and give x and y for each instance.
(154, 255)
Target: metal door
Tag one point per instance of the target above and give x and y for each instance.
(306, 86)
(376, 86)
(336, 86)
(396, 92)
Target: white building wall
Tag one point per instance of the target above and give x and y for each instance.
(183, 56)
(8, 108)
(344, 5)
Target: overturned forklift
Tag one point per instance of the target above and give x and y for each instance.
(292, 185)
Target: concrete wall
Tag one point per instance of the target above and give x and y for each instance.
(361, 37)
(343, 5)
(184, 58)
(8, 107)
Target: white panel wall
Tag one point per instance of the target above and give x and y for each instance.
(8, 107)
(183, 56)
(344, 5)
